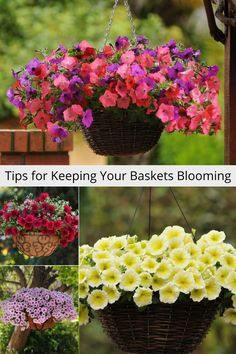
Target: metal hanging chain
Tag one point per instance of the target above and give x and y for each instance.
(149, 211)
(135, 211)
(182, 212)
(108, 29)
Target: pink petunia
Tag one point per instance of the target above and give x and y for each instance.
(121, 88)
(158, 77)
(84, 45)
(187, 75)
(123, 102)
(69, 62)
(71, 114)
(142, 91)
(164, 55)
(34, 105)
(41, 119)
(123, 71)
(166, 112)
(109, 99)
(45, 88)
(128, 57)
(197, 95)
(62, 82)
(192, 110)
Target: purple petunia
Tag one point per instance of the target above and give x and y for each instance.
(32, 66)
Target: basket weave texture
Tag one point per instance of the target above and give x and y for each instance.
(161, 329)
(41, 327)
(122, 133)
(36, 244)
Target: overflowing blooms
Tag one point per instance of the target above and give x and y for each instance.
(39, 304)
(167, 268)
(49, 216)
(68, 87)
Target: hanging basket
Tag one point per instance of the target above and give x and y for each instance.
(161, 329)
(41, 327)
(36, 244)
(122, 133)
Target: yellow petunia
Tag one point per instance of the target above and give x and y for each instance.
(164, 269)
(184, 281)
(145, 279)
(198, 295)
(99, 256)
(129, 260)
(229, 316)
(111, 277)
(222, 274)
(214, 252)
(98, 299)
(118, 243)
(142, 297)
(103, 244)
(94, 278)
(104, 264)
(83, 274)
(193, 250)
(171, 232)
(175, 243)
(198, 279)
(169, 294)
(149, 265)
(213, 289)
(230, 282)
(214, 237)
(83, 315)
(228, 260)
(112, 293)
(180, 257)
(158, 283)
(130, 280)
(156, 245)
(83, 290)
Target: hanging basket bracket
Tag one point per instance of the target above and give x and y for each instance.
(225, 13)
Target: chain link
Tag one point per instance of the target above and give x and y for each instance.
(130, 19)
(108, 29)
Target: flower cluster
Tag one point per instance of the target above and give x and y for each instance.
(166, 268)
(38, 303)
(49, 216)
(66, 88)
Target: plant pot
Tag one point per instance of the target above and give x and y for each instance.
(36, 244)
(41, 327)
(122, 132)
(161, 328)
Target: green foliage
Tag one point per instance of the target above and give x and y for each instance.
(63, 339)
(5, 333)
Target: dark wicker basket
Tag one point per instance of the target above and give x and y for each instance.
(122, 133)
(161, 329)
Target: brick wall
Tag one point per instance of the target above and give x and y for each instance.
(32, 147)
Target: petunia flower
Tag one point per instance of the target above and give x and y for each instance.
(109, 99)
(71, 114)
(87, 119)
(166, 112)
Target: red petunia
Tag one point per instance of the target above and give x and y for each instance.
(58, 224)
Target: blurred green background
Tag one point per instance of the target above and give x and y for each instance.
(64, 337)
(11, 256)
(109, 211)
(27, 25)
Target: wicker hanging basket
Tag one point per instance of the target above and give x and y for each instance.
(161, 329)
(36, 244)
(122, 133)
(41, 327)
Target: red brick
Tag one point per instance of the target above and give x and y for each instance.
(49, 144)
(20, 141)
(61, 158)
(12, 159)
(36, 141)
(5, 140)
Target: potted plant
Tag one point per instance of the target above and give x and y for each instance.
(158, 295)
(39, 225)
(37, 308)
(121, 97)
